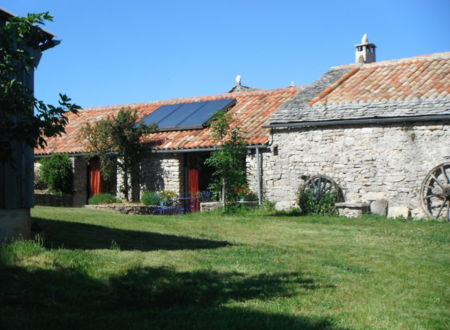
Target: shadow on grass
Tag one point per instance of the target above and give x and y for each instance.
(74, 235)
(294, 212)
(147, 298)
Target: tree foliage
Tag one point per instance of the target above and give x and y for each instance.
(229, 160)
(23, 118)
(117, 142)
(57, 172)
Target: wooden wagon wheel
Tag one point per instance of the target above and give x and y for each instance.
(319, 185)
(435, 192)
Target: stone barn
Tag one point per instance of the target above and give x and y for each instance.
(379, 130)
(175, 161)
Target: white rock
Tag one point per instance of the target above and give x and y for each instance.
(284, 205)
(379, 207)
(398, 211)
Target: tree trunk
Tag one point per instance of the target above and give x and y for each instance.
(224, 193)
(125, 186)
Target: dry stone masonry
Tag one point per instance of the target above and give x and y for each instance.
(369, 163)
(375, 128)
(162, 172)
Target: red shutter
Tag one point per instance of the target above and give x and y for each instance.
(194, 189)
(95, 178)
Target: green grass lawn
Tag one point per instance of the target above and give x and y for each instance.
(102, 270)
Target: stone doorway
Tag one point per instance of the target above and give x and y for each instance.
(95, 178)
(198, 176)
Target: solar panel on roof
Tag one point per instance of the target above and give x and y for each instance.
(160, 114)
(205, 113)
(192, 115)
(183, 112)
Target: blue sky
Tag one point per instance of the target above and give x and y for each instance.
(120, 52)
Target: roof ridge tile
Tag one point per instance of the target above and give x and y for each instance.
(195, 98)
(405, 60)
(417, 86)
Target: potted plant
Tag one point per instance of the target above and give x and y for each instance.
(150, 198)
(167, 198)
(245, 194)
(204, 196)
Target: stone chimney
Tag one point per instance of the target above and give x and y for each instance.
(365, 52)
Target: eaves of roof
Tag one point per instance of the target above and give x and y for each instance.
(251, 111)
(46, 41)
(363, 121)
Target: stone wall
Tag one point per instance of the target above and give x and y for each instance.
(158, 172)
(252, 171)
(138, 209)
(80, 181)
(53, 200)
(162, 172)
(251, 164)
(368, 162)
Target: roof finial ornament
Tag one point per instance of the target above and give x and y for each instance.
(238, 80)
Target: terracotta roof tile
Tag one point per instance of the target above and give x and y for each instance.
(417, 86)
(419, 77)
(252, 109)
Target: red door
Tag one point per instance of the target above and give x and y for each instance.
(95, 178)
(194, 189)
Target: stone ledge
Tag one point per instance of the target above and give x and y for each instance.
(210, 206)
(352, 210)
(53, 200)
(136, 209)
(352, 205)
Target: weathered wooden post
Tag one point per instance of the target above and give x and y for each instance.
(16, 173)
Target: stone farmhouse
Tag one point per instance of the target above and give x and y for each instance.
(175, 162)
(378, 131)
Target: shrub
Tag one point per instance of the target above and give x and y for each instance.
(268, 206)
(318, 205)
(103, 199)
(168, 196)
(38, 182)
(205, 196)
(150, 198)
(57, 172)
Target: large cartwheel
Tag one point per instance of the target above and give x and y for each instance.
(435, 192)
(319, 185)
